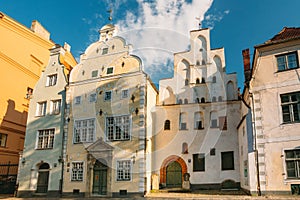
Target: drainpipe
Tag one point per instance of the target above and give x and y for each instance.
(255, 146)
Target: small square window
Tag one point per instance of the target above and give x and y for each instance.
(41, 108)
(107, 96)
(94, 73)
(93, 97)
(3, 138)
(110, 70)
(212, 151)
(287, 61)
(199, 162)
(77, 100)
(51, 80)
(124, 94)
(104, 51)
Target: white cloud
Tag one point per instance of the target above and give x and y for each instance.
(160, 29)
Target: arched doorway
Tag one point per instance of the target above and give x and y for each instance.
(43, 178)
(174, 175)
(100, 178)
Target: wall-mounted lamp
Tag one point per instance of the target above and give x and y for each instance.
(23, 161)
(133, 159)
(100, 112)
(136, 111)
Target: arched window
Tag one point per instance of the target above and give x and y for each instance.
(185, 148)
(180, 101)
(197, 81)
(214, 99)
(167, 125)
(230, 90)
(197, 100)
(186, 101)
(202, 100)
(203, 80)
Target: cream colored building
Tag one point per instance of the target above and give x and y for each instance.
(195, 120)
(273, 94)
(109, 125)
(40, 170)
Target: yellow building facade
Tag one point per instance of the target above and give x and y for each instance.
(24, 53)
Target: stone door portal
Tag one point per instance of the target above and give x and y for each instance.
(174, 175)
(100, 179)
(43, 178)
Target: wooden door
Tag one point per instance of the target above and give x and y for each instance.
(174, 175)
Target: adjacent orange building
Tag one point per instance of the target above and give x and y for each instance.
(24, 53)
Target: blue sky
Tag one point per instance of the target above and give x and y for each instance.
(235, 25)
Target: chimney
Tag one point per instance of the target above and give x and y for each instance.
(37, 28)
(246, 59)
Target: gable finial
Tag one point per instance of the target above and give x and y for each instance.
(110, 14)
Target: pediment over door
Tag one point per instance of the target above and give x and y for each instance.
(99, 146)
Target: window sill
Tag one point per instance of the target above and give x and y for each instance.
(183, 129)
(44, 149)
(199, 129)
(279, 71)
(227, 169)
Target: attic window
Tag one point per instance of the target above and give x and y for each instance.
(104, 51)
(123, 64)
(94, 73)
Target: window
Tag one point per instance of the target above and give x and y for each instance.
(180, 101)
(290, 104)
(107, 96)
(292, 161)
(227, 160)
(223, 123)
(110, 70)
(287, 61)
(104, 51)
(51, 80)
(203, 80)
(77, 100)
(199, 162)
(77, 171)
(214, 99)
(182, 121)
(167, 125)
(186, 82)
(186, 101)
(41, 108)
(220, 98)
(197, 81)
(214, 79)
(118, 128)
(94, 73)
(198, 117)
(213, 119)
(124, 170)
(185, 148)
(202, 100)
(84, 130)
(29, 93)
(124, 94)
(55, 106)
(93, 97)
(45, 139)
(212, 152)
(3, 138)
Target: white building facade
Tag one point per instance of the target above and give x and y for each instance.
(41, 164)
(195, 120)
(272, 93)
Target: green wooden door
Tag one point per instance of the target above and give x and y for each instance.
(174, 175)
(100, 179)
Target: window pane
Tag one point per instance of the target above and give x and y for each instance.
(281, 63)
(296, 112)
(227, 160)
(292, 61)
(291, 169)
(198, 162)
(286, 113)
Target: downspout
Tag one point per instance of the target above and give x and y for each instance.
(255, 146)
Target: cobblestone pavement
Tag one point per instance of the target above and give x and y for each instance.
(173, 196)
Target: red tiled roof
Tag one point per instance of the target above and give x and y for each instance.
(286, 33)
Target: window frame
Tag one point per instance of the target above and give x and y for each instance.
(201, 161)
(123, 92)
(94, 74)
(118, 169)
(42, 138)
(105, 51)
(296, 163)
(286, 61)
(167, 125)
(224, 153)
(109, 70)
(84, 130)
(76, 179)
(118, 127)
(105, 95)
(54, 109)
(93, 97)
(290, 103)
(3, 139)
(77, 100)
(51, 80)
(41, 108)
